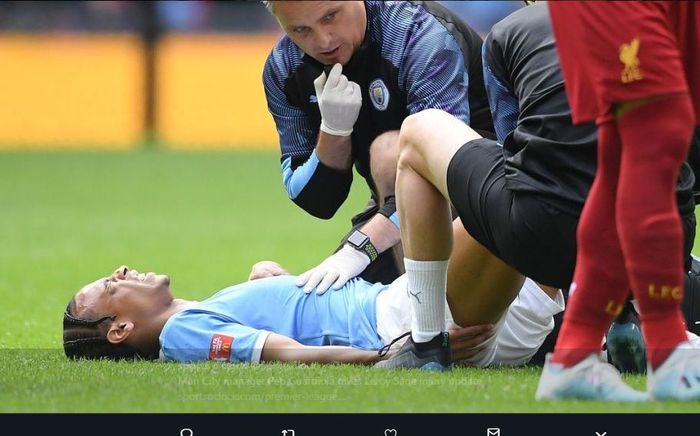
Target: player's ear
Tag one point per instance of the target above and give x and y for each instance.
(119, 331)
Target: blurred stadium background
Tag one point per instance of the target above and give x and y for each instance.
(137, 132)
(123, 75)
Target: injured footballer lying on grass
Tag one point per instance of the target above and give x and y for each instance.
(132, 315)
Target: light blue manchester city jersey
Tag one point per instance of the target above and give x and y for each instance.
(233, 324)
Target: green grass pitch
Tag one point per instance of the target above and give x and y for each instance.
(204, 218)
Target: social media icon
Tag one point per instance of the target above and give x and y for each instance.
(493, 431)
(186, 432)
(390, 432)
(288, 432)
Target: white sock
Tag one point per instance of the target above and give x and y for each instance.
(427, 284)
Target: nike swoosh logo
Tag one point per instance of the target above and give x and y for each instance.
(697, 322)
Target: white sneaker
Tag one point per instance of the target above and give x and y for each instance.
(590, 379)
(678, 378)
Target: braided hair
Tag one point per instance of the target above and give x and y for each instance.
(87, 338)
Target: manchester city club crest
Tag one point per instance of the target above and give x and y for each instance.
(379, 94)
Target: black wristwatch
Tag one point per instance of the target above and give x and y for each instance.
(359, 241)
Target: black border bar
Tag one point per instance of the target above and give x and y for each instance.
(415, 424)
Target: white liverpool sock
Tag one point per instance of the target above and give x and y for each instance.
(427, 281)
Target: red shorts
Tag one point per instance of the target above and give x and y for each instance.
(612, 52)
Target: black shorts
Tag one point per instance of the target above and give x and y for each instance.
(521, 228)
(518, 227)
(691, 298)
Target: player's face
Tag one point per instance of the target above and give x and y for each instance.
(125, 293)
(328, 31)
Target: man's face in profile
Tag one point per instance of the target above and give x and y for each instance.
(328, 31)
(125, 293)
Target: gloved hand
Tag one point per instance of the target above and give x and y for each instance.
(339, 101)
(336, 270)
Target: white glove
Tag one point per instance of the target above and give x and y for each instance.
(336, 270)
(339, 101)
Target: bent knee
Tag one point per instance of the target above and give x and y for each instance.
(414, 133)
(430, 134)
(416, 127)
(430, 128)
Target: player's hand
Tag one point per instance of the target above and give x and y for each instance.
(339, 101)
(266, 268)
(335, 271)
(466, 342)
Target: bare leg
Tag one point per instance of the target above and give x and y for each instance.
(421, 182)
(427, 143)
(480, 286)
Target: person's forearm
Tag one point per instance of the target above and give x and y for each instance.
(322, 354)
(382, 232)
(340, 354)
(334, 151)
(314, 186)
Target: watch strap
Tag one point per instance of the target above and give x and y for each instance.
(370, 250)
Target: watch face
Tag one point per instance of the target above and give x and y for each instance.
(357, 238)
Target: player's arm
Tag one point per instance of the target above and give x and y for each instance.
(316, 166)
(502, 100)
(200, 336)
(279, 348)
